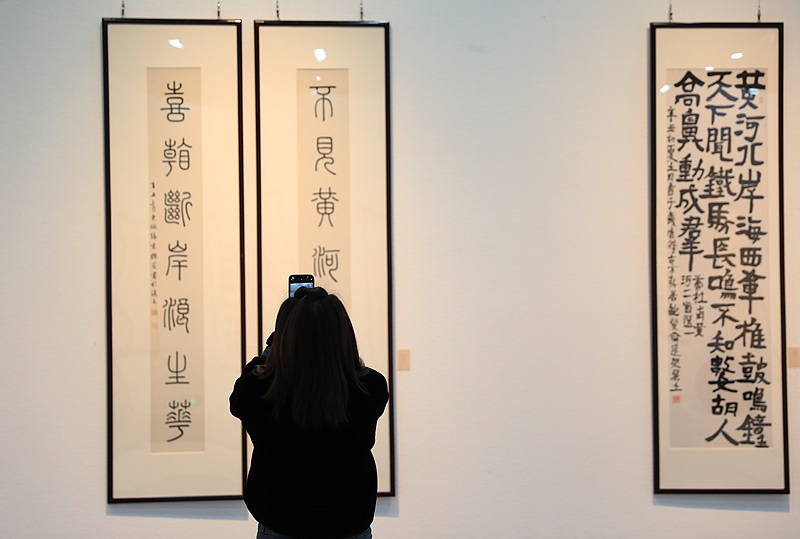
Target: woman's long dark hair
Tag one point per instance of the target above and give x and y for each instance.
(313, 362)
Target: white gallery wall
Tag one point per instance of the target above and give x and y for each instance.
(521, 266)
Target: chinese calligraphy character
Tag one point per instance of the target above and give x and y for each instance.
(175, 103)
(325, 204)
(177, 368)
(721, 430)
(176, 207)
(176, 313)
(325, 149)
(323, 92)
(179, 417)
(326, 261)
(750, 88)
(178, 259)
(174, 150)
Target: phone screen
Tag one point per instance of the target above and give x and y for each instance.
(299, 281)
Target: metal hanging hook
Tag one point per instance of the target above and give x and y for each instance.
(123, 9)
(670, 11)
(362, 10)
(759, 10)
(277, 10)
(218, 10)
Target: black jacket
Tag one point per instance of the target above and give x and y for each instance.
(310, 484)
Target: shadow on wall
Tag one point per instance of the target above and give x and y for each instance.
(216, 510)
(775, 503)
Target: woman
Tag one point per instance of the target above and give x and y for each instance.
(310, 407)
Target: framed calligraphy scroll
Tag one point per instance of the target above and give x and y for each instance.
(175, 293)
(322, 101)
(719, 370)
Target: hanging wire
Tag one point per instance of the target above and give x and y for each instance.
(670, 11)
(362, 10)
(123, 9)
(759, 10)
(277, 10)
(218, 10)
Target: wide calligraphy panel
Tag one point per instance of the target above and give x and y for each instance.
(323, 181)
(174, 258)
(719, 370)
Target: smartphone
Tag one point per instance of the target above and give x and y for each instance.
(300, 281)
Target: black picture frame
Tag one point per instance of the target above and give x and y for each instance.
(719, 397)
(131, 47)
(361, 48)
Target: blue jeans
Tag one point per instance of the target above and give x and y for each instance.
(266, 533)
